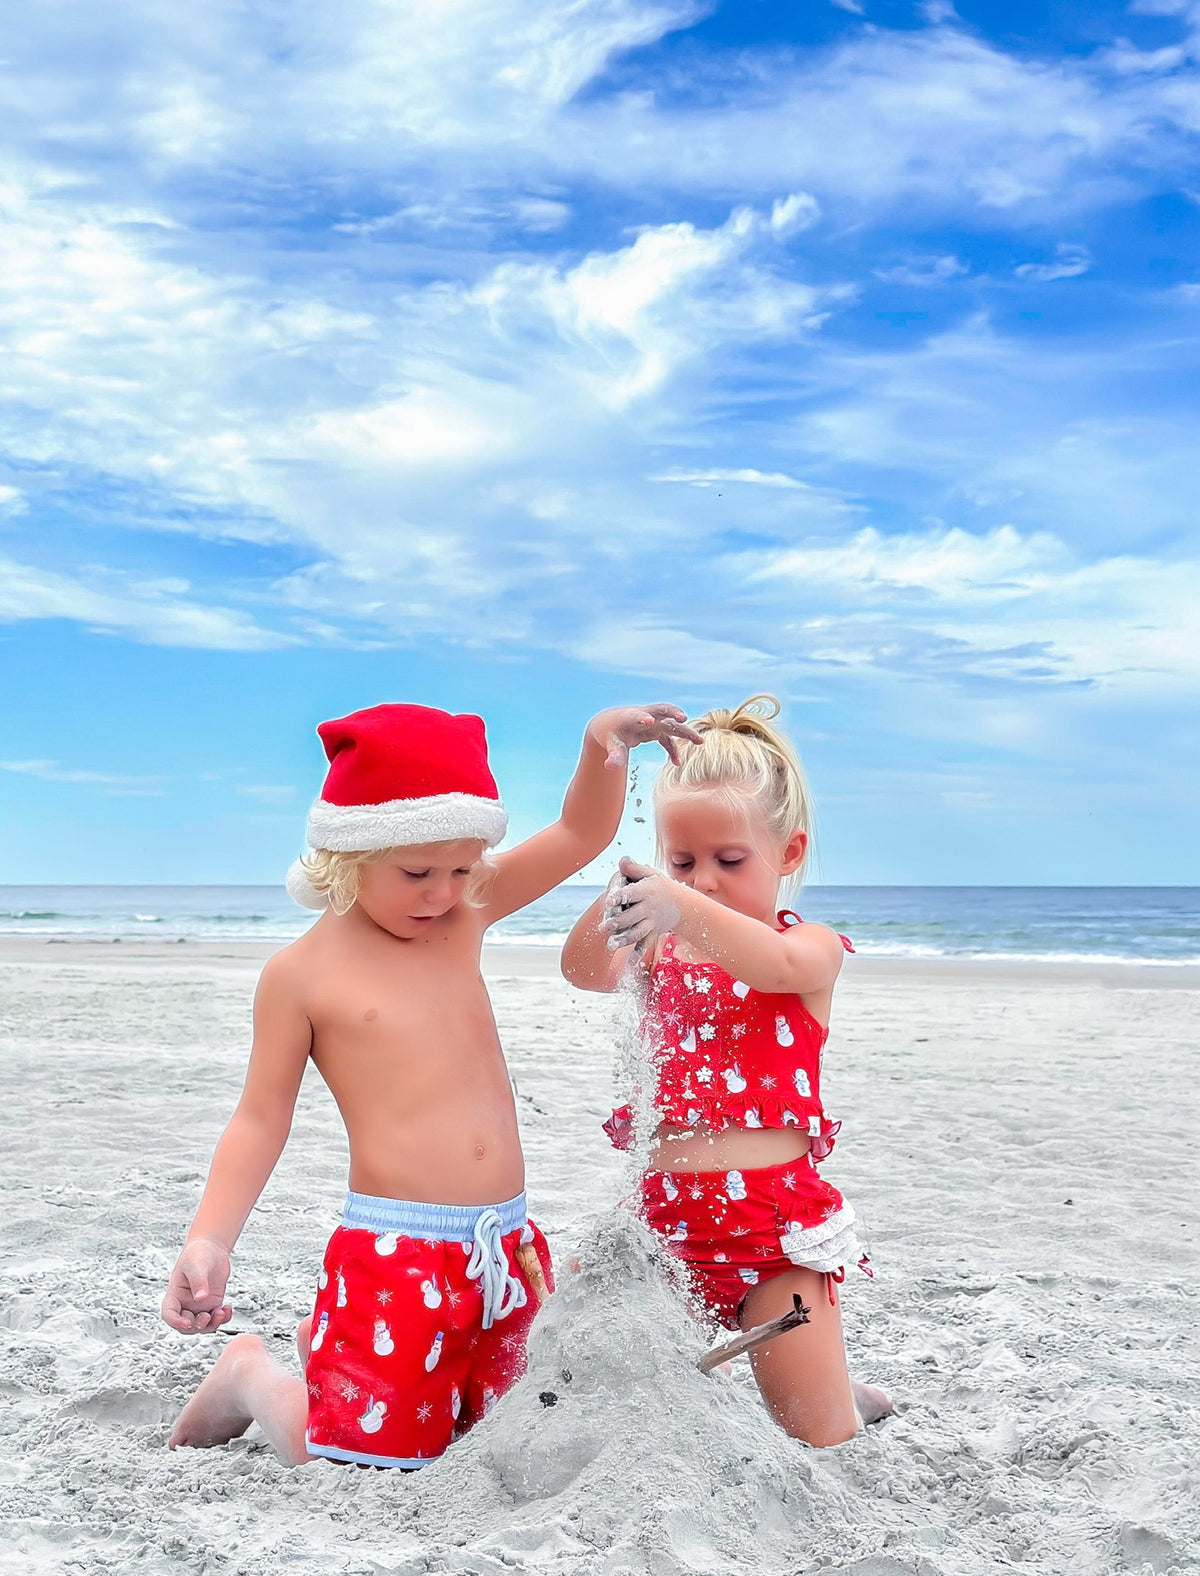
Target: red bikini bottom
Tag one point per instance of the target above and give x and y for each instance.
(735, 1229)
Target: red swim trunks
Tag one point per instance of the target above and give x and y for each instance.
(735, 1229)
(420, 1323)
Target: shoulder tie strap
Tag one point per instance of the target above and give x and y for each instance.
(786, 919)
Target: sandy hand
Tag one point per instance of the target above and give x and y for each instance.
(624, 727)
(195, 1299)
(640, 907)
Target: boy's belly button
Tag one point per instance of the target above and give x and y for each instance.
(480, 1151)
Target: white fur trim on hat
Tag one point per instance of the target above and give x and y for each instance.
(301, 890)
(401, 823)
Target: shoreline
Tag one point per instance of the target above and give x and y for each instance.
(515, 960)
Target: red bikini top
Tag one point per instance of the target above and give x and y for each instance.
(730, 1056)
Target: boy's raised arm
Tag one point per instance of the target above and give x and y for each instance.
(245, 1155)
(591, 809)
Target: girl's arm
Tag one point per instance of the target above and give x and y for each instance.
(591, 810)
(588, 962)
(802, 959)
(245, 1155)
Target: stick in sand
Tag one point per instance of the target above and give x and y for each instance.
(761, 1333)
(526, 1256)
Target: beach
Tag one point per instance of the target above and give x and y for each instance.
(1021, 1142)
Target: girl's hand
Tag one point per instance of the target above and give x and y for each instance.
(639, 908)
(625, 727)
(195, 1299)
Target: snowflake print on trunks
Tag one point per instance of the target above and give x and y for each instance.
(707, 1032)
(703, 985)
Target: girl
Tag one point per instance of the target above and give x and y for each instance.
(737, 998)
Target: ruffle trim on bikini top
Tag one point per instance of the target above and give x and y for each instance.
(620, 1126)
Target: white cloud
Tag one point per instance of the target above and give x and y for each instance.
(276, 795)
(1024, 608)
(155, 612)
(752, 477)
(855, 6)
(12, 500)
(674, 656)
(114, 783)
(1071, 261)
(924, 271)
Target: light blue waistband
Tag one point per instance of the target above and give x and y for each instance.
(435, 1222)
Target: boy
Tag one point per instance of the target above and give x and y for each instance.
(429, 1286)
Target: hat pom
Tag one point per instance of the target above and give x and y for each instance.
(301, 890)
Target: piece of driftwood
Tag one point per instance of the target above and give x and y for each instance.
(749, 1339)
(526, 1256)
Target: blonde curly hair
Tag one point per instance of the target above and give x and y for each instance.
(744, 756)
(337, 876)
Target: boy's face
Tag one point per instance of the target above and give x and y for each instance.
(409, 890)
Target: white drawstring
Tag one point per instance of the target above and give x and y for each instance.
(488, 1264)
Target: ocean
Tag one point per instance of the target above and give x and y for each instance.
(1048, 924)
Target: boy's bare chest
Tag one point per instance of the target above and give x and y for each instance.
(400, 1000)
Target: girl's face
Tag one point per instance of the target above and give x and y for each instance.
(722, 850)
(411, 888)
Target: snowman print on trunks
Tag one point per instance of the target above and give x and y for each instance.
(341, 1290)
(735, 1186)
(752, 1118)
(734, 1081)
(385, 1245)
(431, 1293)
(740, 991)
(749, 1276)
(688, 1044)
(322, 1279)
(803, 1087)
(318, 1339)
(384, 1345)
(680, 1233)
(783, 1031)
(455, 1402)
(434, 1353)
(669, 1189)
(372, 1419)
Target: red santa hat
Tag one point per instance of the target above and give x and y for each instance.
(398, 776)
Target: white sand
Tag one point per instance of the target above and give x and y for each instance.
(1044, 1353)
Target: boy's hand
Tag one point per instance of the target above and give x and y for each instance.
(624, 727)
(195, 1299)
(639, 909)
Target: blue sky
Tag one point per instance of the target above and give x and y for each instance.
(529, 356)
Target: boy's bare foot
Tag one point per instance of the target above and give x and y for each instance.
(871, 1403)
(217, 1413)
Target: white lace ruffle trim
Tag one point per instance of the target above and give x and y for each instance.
(828, 1246)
